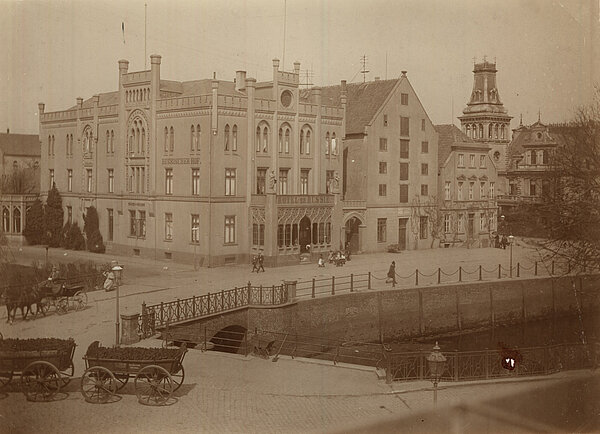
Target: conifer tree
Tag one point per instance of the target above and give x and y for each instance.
(34, 223)
(91, 228)
(53, 218)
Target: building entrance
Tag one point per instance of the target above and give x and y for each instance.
(352, 239)
(402, 233)
(305, 234)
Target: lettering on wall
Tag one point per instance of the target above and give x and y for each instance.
(169, 161)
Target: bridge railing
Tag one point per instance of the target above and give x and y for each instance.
(159, 315)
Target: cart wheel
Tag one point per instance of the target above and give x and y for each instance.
(122, 380)
(80, 300)
(44, 305)
(40, 381)
(178, 378)
(62, 306)
(5, 378)
(98, 385)
(67, 374)
(153, 385)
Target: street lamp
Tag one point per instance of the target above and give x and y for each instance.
(194, 240)
(510, 241)
(436, 362)
(116, 270)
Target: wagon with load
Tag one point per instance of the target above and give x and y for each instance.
(156, 373)
(44, 365)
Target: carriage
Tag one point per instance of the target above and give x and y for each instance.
(44, 365)
(157, 373)
(63, 295)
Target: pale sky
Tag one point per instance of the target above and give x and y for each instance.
(547, 54)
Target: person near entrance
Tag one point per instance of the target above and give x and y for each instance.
(391, 275)
(261, 261)
(254, 263)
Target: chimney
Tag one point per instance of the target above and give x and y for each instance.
(123, 66)
(297, 68)
(403, 73)
(41, 107)
(276, 64)
(8, 131)
(79, 101)
(343, 85)
(96, 100)
(377, 78)
(240, 80)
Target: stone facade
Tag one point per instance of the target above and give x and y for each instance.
(206, 171)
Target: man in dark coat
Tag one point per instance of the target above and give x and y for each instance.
(391, 275)
(261, 261)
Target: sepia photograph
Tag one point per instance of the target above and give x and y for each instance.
(299, 216)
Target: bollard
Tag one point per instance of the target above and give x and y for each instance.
(351, 282)
(518, 269)
(417, 277)
(535, 269)
(313, 288)
(480, 272)
(439, 275)
(332, 285)
(499, 271)
(460, 274)
(369, 287)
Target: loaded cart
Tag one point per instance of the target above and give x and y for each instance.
(44, 365)
(157, 372)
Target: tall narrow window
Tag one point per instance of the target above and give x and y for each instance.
(424, 190)
(422, 124)
(132, 224)
(168, 181)
(492, 190)
(287, 141)
(51, 178)
(261, 180)
(280, 141)
(482, 161)
(302, 142)
(403, 193)
(404, 126)
(257, 139)
(424, 169)
(195, 181)
(403, 171)
(471, 185)
(229, 182)
(404, 98)
(382, 144)
(171, 139)
(460, 191)
(168, 226)
(307, 147)
(461, 160)
(482, 220)
(229, 229)
(111, 180)
(447, 223)
(195, 228)
(110, 221)
(304, 181)
(382, 167)
(198, 137)
(482, 190)
(423, 227)
(404, 144)
(424, 147)
(265, 139)
(89, 180)
(166, 134)
(234, 138)
(107, 142)
(329, 176)
(142, 224)
(327, 144)
(334, 145)
(112, 141)
(471, 160)
(382, 189)
(283, 181)
(447, 190)
(69, 179)
(227, 137)
(381, 230)
(193, 138)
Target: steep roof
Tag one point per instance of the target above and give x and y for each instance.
(364, 99)
(450, 135)
(27, 145)
(528, 136)
(107, 98)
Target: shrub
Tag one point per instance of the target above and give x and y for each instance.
(394, 248)
(34, 223)
(91, 228)
(75, 238)
(53, 218)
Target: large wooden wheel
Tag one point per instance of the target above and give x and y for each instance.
(153, 385)
(40, 381)
(44, 305)
(98, 385)
(80, 300)
(178, 378)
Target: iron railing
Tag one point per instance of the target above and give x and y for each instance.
(159, 315)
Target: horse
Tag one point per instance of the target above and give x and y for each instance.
(23, 300)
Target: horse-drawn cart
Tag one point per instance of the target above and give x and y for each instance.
(63, 295)
(157, 373)
(45, 365)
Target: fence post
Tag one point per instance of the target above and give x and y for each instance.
(480, 272)
(369, 287)
(552, 271)
(208, 303)
(222, 299)
(459, 273)
(388, 370)
(162, 312)
(499, 271)
(332, 285)
(535, 269)
(439, 275)
(273, 295)
(458, 322)
(417, 277)
(421, 324)
(313, 288)
(518, 269)
(249, 293)
(194, 306)
(260, 296)
(456, 361)
(235, 296)
(351, 282)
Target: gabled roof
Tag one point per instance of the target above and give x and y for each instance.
(450, 136)
(22, 145)
(107, 98)
(363, 101)
(527, 136)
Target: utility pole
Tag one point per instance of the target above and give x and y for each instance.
(145, 33)
(364, 67)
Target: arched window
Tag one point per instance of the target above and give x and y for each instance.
(143, 140)
(193, 138)
(307, 144)
(112, 141)
(481, 131)
(166, 139)
(327, 143)
(138, 137)
(227, 137)
(171, 139)
(468, 130)
(234, 138)
(107, 141)
(495, 131)
(302, 142)
(334, 145)
(67, 145)
(257, 139)
(265, 139)
(49, 145)
(287, 140)
(198, 137)
(502, 132)
(490, 130)
(16, 220)
(5, 220)
(280, 140)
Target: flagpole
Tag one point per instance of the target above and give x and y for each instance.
(145, 32)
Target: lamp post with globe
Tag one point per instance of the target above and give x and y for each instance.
(511, 240)
(116, 269)
(436, 363)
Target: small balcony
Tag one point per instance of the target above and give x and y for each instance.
(305, 199)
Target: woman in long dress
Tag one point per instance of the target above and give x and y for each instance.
(109, 282)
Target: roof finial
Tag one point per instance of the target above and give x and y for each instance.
(521, 124)
(474, 59)
(484, 58)
(539, 115)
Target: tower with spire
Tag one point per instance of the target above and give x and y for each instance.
(485, 119)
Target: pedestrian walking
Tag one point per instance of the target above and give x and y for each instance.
(321, 261)
(391, 275)
(261, 261)
(254, 264)
(504, 242)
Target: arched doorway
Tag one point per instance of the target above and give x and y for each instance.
(305, 234)
(352, 240)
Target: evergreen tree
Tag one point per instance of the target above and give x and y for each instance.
(64, 238)
(53, 218)
(75, 238)
(91, 228)
(34, 223)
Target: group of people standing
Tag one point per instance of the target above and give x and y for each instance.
(500, 242)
